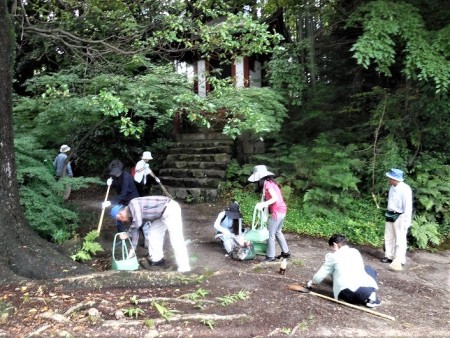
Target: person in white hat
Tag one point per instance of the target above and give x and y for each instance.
(273, 199)
(398, 217)
(59, 163)
(142, 169)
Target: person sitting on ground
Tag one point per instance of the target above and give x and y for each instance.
(123, 184)
(142, 170)
(229, 223)
(352, 281)
(164, 214)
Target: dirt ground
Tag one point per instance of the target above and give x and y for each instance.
(227, 298)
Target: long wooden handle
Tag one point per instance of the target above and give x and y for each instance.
(103, 212)
(163, 188)
(353, 306)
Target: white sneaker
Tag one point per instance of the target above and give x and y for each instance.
(373, 300)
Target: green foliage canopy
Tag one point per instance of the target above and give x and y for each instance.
(388, 24)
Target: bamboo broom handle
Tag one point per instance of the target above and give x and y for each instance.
(353, 306)
(103, 212)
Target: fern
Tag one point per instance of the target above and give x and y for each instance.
(425, 232)
(89, 247)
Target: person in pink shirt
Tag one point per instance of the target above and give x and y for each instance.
(272, 199)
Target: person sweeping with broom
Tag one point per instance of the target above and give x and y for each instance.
(353, 282)
(271, 198)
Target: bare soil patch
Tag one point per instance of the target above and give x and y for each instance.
(226, 298)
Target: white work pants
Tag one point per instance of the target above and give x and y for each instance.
(170, 220)
(395, 239)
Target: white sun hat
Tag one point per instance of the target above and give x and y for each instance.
(259, 172)
(64, 148)
(147, 155)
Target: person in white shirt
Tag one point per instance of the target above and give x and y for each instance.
(228, 224)
(398, 217)
(142, 170)
(353, 282)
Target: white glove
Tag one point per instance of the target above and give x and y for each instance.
(157, 180)
(109, 181)
(131, 253)
(260, 206)
(309, 284)
(106, 204)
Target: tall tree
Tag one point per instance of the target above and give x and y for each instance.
(22, 252)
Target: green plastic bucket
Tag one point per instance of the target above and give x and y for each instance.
(127, 262)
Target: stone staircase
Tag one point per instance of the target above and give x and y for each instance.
(196, 165)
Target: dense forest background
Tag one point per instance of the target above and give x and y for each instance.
(358, 88)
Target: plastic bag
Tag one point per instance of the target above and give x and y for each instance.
(243, 250)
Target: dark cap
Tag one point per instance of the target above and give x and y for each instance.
(115, 171)
(115, 167)
(233, 211)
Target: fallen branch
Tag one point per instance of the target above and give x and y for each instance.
(80, 306)
(169, 299)
(175, 318)
(38, 331)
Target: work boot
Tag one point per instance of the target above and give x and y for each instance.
(284, 255)
(269, 259)
(161, 262)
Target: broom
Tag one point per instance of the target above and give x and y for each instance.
(299, 288)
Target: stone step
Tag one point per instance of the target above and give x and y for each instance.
(193, 194)
(201, 150)
(217, 158)
(197, 165)
(195, 173)
(202, 136)
(202, 143)
(190, 182)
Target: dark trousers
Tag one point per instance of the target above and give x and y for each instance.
(361, 295)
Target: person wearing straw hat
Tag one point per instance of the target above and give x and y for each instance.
(59, 163)
(272, 199)
(228, 224)
(353, 282)
(398, 217)
(142, 169)
(164, 214)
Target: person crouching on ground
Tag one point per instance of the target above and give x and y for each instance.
(273, 199)
(353, 282)
(164, 214)
(229, 223)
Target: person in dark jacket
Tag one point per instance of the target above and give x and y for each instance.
(123, 183)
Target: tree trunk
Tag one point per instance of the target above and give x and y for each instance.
(23, 254)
